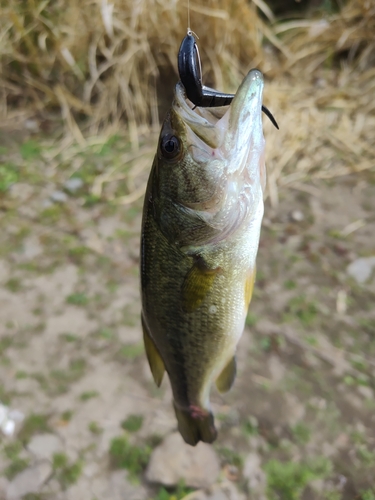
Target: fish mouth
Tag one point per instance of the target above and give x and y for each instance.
(233, 129)
(226, 145)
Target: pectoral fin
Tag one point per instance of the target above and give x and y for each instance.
(197, 284)
(154, 359)
(226, 378)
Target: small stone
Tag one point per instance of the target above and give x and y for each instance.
(294, 241)
(79, 491)
(276, 367)
(116, 487)
(4, 483)
(254, 475)
(223, 491)
(120, 488)
(73, 184)
(44, 446)
(174, 461)
(231, 472)
(21, 191)
(59, 197)
(328, 450)
(29, 481)
(361, 269)
(296, 409)
(46, 204)
(32, 125)
(297, 216)
(366, 392)
(196, 495)
(32, 248)
(9, 419)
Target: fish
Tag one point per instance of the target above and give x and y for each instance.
(201, 224)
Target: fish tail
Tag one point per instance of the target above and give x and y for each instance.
(195, 424)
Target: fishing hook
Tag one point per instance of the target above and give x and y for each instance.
(190, 71)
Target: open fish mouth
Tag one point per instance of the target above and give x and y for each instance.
(230, 128)
(228, 144)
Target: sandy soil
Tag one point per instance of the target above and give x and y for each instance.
(72, 360)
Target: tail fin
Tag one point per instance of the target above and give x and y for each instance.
(195, 424)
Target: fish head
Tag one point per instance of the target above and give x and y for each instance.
(210, 161)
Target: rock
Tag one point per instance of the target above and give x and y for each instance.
(174, 461)
(73, 184)
(120, 488)
(294, 241)
(296, 409)
(44, 446)
(32, 125)
(5, 271)
(29, 481)
(116, 487)
(59, 197)
(361, 269)
(46, 204)
(80, 491)
(223, 491)
(32, 247)
(4, 483)
(196, 495)
(9, 419)
(276, 367)
(254, 475)
(52, 489)
(21, 191)
(297, 216)
(366, 392)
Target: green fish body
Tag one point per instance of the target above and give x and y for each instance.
(200, 232)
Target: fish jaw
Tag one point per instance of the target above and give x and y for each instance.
(243, 143)
(234, 134)
(227, 144)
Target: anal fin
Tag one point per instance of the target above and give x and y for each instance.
(154, 359)
(226, 378)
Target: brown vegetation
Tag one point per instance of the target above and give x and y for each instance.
(102, 59)
(106, 61)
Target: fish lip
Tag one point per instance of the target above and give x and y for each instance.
(245, 113)
(248, 97)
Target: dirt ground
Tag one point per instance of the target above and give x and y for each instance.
(71, 354)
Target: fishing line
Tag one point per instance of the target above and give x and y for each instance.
(188, 26)
(189, 30)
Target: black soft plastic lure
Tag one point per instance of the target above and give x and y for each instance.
(190, 71)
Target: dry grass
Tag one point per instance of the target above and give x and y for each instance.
(103, 59)
(348, 35)
(106, 62)
(326, 129)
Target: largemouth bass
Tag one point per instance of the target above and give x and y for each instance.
(201, 222)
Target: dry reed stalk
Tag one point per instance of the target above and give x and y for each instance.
(348, 34)
(326, 129)
(104, 57)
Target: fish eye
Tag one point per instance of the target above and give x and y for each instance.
(170, 146)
